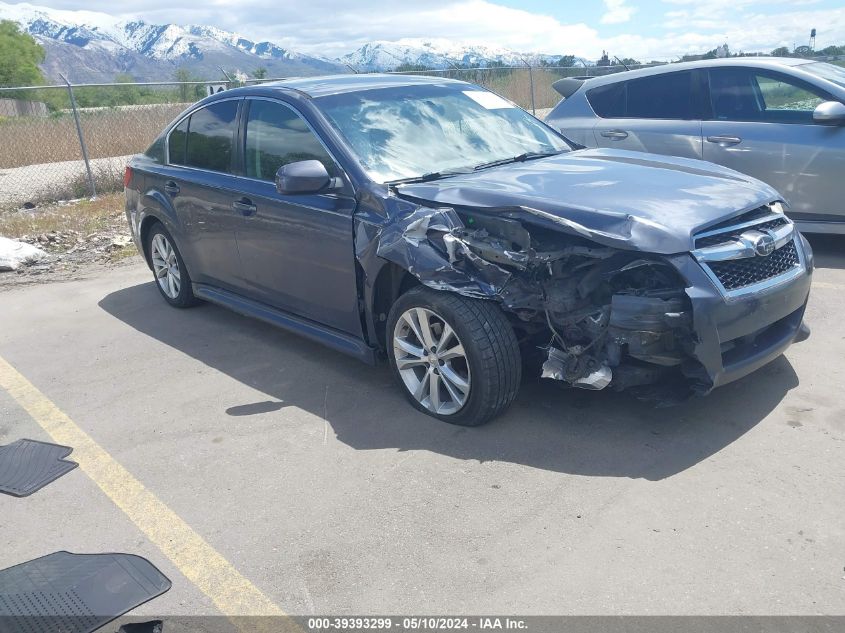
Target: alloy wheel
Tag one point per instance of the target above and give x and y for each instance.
(431, 361)
(166, 266)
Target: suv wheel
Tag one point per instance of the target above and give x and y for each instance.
(457, 359)
(171, 276)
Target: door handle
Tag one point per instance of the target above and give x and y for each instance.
(171, 187)
(616, 135)
(245, 206)
(724, 141)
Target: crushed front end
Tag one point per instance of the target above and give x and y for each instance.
(598, 316)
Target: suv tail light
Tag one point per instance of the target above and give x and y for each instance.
(127, 177)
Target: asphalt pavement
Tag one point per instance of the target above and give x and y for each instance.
(249, 464)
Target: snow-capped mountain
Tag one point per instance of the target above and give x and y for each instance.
(440, 54)
(92, 46)
(89, 46)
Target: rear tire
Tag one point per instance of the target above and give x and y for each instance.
(455, 358)
(169, 272)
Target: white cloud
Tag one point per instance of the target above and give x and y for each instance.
(336, 27)
(745, 26)
(617, 12)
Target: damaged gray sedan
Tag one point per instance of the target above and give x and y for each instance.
(435, 223)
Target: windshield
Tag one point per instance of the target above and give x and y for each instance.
(833, 73)
(415, 131)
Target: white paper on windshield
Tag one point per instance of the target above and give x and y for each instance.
(488, 99)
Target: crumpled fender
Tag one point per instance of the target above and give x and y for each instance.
(408, 243)
(425, 242)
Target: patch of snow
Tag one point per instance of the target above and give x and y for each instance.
(13, 254)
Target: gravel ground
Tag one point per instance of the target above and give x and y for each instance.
(82, 238)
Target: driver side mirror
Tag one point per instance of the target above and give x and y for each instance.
(830, 113)
(304, 176)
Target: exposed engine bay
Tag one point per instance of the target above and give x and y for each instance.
(598, 316)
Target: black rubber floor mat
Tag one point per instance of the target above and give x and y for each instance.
(75, 593)
(28, 465)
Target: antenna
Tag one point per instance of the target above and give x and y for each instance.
(621, 62)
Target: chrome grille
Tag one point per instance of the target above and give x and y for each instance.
(740, 273)
(745, 218)
(732, 233)
(754, 250)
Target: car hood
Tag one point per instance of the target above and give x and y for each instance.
(619, 198)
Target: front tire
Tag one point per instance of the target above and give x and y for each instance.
(456, 359)
(171, 276)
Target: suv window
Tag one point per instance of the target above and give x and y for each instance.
(664, 96)
(608, 101)
(276, 136)
(209, 139)
(745, 94)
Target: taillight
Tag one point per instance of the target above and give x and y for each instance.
(127, 177)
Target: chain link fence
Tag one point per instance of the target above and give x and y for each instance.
(530, 87)
(65, 142)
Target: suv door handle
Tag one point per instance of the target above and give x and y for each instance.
(724, 141)
(245, 206)
(615, 134)
(171, 187)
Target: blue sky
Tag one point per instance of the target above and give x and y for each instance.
(662, 18)
(642, 29)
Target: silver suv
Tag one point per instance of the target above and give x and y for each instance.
(779, 120)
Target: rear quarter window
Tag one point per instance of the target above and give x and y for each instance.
(155, 152)
(176, 143)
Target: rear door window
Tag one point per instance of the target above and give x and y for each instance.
(276, 136)
(608, 101)
(210, 138)
(746, 94)
(664, 96)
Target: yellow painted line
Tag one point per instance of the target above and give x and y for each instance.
(824, 284)
(233, 594)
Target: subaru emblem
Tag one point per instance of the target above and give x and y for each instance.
(764, 245)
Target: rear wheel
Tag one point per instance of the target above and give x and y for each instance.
(171, 276)
(456, 358)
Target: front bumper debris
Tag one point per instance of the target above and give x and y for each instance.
(614, 318)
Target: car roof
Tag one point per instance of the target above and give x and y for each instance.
(336, 84)
(769, 63)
